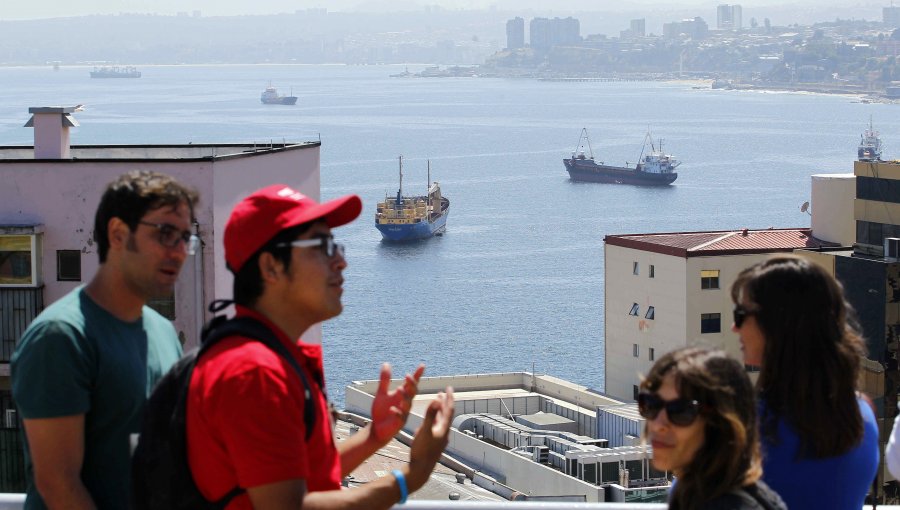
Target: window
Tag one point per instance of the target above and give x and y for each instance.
(652, 270)
(635, 310)
(68, 265)
(634, 391)
(710, 323)
(651, 313)
(709, 279)
(635, 350)
(652, 354)
(19, 260)
(635, 269)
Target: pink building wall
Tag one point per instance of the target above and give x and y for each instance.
(62, 195)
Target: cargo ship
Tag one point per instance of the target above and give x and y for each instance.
(270, 96)
(654, 168)
(115, 72)
(869, 145)
(410, 218)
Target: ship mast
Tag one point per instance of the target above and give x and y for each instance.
(399, 201)
(428, 184)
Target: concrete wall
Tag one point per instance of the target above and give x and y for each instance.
(460, 383)
(700, 301)
(519, 473)
(233, 179)
(63, 196)
(832, 208)
(665, 292)
(678, 300)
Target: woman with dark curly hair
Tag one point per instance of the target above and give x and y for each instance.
(701, 423)
(819, 435)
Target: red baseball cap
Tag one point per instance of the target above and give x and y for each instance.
(259, 217)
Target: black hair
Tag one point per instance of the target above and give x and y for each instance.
(131, 195)
(248, 284)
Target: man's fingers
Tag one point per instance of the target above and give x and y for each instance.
(419, 371)
(384, 380)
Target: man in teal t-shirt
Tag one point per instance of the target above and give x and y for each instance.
(83, 369)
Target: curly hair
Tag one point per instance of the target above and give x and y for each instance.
(801, 311)
(729, 457)
(131, 195)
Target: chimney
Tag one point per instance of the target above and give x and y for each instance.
(51, 131)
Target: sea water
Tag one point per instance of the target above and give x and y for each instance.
(517, 281)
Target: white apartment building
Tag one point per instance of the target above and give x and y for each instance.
(669, 290)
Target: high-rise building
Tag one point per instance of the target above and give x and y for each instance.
(891, 16)
(694, 28)
(737, 14)
(638, 27)
(729, 17)
(515, 33)
(546, 33)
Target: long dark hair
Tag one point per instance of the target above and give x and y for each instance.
(812, 354)
(729, 457)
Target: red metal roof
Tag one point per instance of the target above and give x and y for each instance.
(725, 242)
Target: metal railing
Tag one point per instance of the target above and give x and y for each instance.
(17, 502)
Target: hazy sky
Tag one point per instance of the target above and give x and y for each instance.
(16, 9)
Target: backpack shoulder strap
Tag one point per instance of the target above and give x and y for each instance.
(221, 328)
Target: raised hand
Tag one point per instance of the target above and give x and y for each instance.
(391, 408)
(431, 439)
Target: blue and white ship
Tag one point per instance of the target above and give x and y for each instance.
(410, 218)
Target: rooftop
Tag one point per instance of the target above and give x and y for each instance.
(725, 242)
(174, 152)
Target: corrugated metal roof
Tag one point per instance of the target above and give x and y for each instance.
(699, 244)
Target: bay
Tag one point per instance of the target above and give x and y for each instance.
(517, 281)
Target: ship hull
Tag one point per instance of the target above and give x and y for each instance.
(416, 231)
(587, 170)
(97, 74)
(288, 100)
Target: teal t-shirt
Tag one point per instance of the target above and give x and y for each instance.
(76, 358)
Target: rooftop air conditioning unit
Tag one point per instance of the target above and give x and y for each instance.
(891, 248)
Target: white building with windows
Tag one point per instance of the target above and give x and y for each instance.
(669, 290)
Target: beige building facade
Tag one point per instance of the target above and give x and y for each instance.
(665, 291)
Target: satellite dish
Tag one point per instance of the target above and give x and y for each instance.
(805, 208)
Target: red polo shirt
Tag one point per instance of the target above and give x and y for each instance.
(245, 419)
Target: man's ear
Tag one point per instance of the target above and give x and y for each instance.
(117, 233)
(270, 268)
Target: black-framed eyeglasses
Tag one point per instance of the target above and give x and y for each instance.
(681, 411)
(740, 314)
(170, 236)
(325, 242)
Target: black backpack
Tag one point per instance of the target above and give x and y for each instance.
(161, 476)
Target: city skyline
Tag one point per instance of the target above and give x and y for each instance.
(802, 10)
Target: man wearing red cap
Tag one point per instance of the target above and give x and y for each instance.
(246, 436)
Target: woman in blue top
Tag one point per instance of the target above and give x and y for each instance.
(819, 435)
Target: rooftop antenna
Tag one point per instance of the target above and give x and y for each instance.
(805, 208)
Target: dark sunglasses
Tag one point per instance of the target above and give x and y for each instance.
(681, 411)
(740, 314)
(171, 236)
